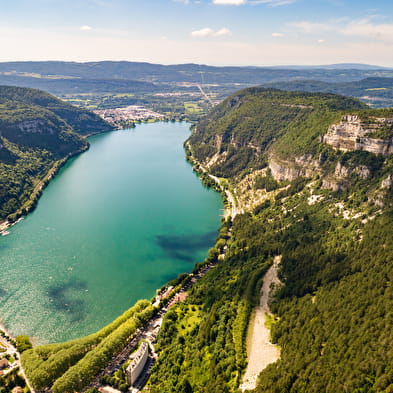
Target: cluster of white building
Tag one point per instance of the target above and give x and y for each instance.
(138, 361)
(128, 114)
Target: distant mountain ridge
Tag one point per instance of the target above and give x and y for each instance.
(196, 73)
(376, 91)
(337, 66)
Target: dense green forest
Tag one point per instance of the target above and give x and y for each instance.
(334, 311)
(254, 122)
(37, 133)
(333, 315)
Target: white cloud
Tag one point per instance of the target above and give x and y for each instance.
(272, 3)
(277, 35)
(223, 32)
(86, 28)
(362, 28)
(321, 41)
(205, 32)
(229, 2)
(36, 44)
(311, 27)
(208, 32)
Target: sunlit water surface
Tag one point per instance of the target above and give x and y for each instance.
(115, 224)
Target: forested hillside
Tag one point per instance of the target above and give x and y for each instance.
(238, 135)
(329, 213)
(37, 131)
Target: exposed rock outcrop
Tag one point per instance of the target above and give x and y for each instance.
(330, 183)
(290, 170)
(354, 134)
(350, 134)
(35, 127)
(219, 155)
(342, 171)
(388, 182)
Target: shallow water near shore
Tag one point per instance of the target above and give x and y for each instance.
(116, 223)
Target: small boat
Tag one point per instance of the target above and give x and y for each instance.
(5, 233)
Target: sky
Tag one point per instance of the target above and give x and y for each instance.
(214, 32)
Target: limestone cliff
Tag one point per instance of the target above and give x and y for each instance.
(281, 136)
(37, 126)
(352, 133)
(304, 166)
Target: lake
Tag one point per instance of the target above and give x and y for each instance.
(115, 224)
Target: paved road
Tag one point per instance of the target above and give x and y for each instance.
(205, 95)
(148, 332)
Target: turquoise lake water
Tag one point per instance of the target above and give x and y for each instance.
(116, 223)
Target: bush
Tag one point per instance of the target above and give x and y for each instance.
(23, 343)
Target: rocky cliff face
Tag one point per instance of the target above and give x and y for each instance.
(305, 166)
(354, 134)
(350, 134)
(35, 127)
(289, 170)
(341, 171)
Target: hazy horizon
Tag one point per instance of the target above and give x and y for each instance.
(103, 60)
(214, 32)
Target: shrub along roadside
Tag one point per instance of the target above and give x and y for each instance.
(45, 364)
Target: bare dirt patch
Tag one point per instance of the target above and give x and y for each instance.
(261, 352)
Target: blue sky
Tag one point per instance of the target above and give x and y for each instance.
(217, 32)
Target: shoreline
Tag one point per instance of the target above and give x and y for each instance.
(191, 275)
(30, 204)
(41, 184)
(230, 211)
(5, 330)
